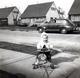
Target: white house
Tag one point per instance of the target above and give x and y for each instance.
(9, 15)
(38, 13)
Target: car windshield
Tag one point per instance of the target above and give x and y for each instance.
(65, 22)
(61, 21)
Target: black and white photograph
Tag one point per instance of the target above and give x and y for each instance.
(39, 38)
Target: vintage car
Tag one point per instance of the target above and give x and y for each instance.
(61, 25)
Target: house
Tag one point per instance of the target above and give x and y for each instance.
(9, 15)
(38, 13)
(74, 12)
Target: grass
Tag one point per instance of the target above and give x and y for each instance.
(32, 49)
(63, 59)
(18, 47)
(70, 49)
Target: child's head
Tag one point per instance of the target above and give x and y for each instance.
(44, 37)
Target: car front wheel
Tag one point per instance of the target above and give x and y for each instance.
(64, 31)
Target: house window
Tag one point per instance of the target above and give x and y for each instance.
(40, 20)
(75, 18)
(53, 8)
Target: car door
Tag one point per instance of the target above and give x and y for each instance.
(52, 27)
(55, 27)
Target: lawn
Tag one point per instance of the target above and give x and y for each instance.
(18, 47)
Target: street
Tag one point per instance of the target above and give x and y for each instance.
(18, 62)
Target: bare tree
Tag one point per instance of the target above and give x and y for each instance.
(61, 12)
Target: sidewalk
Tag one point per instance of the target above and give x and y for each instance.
(17, 62)
(9, 56)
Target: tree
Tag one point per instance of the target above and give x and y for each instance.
(60, 12)
(15, 16)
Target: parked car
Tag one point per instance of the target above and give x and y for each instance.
(61, 25)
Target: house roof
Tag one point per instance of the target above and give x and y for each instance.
(36, 10)
(75, 8)
(4, 12)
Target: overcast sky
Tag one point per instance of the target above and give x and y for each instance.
(22, 4)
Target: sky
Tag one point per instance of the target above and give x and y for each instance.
(22, 4)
